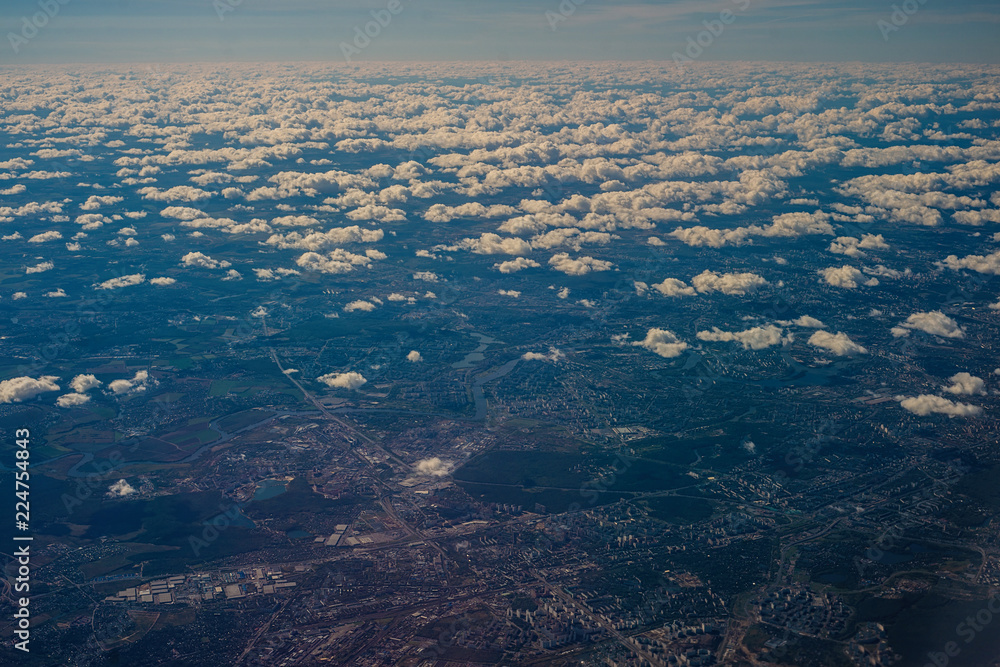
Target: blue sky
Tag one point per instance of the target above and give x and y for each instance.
(132, 31)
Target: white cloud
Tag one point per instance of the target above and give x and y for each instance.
(414, 357)
(39, 268)
(853, 247)
(515, 265)
(734, 284)
(966, 384)
(810, 322)
(123, 281)
(433, 467)
(203, 261)
(178, 193)
(72, 400)
(162, 281)
(935, 323)
(426, 276)
(134, 386)
(989, 264)
(554, 354)
(365, 306)
(578, 267)
(663, 343)
(492, 244)
(23, 388)
(83, 383)
(335, 262)
(786, 225)
(674, 287)
(349, 380)
(926, 404)
(45, 236)
(332, 238)
(121, 489)
(839, 343)
(56, 294)
(757, 338)
(94, 202)
(845, 276)
(514, 294)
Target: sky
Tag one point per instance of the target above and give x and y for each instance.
(152, 31)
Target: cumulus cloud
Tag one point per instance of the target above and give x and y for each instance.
(809, 322)
(414, 357)
(433, 467)
(734, 284)
(72, 400)
(120, 489)
(756, 338)
(203, 261)
(927, 404)
(40, 267)
(349, 380)
(579, 266)
(319, 241)
(162, 281)
(426, 276)
(335, 262)
(84, 383)
(673, 287)
(845, 276)
(934, 322)
(136, 385)
(838, 343)
(94, 202)
(45, 236)
(786, 225)
(360, 304)
(24, 388)
(853, 247)
(178, 193)
(492, 244)
(554, 354)
(123, 281)
(988, 264)
(515, 265)
(965, 384)
(663, 343)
